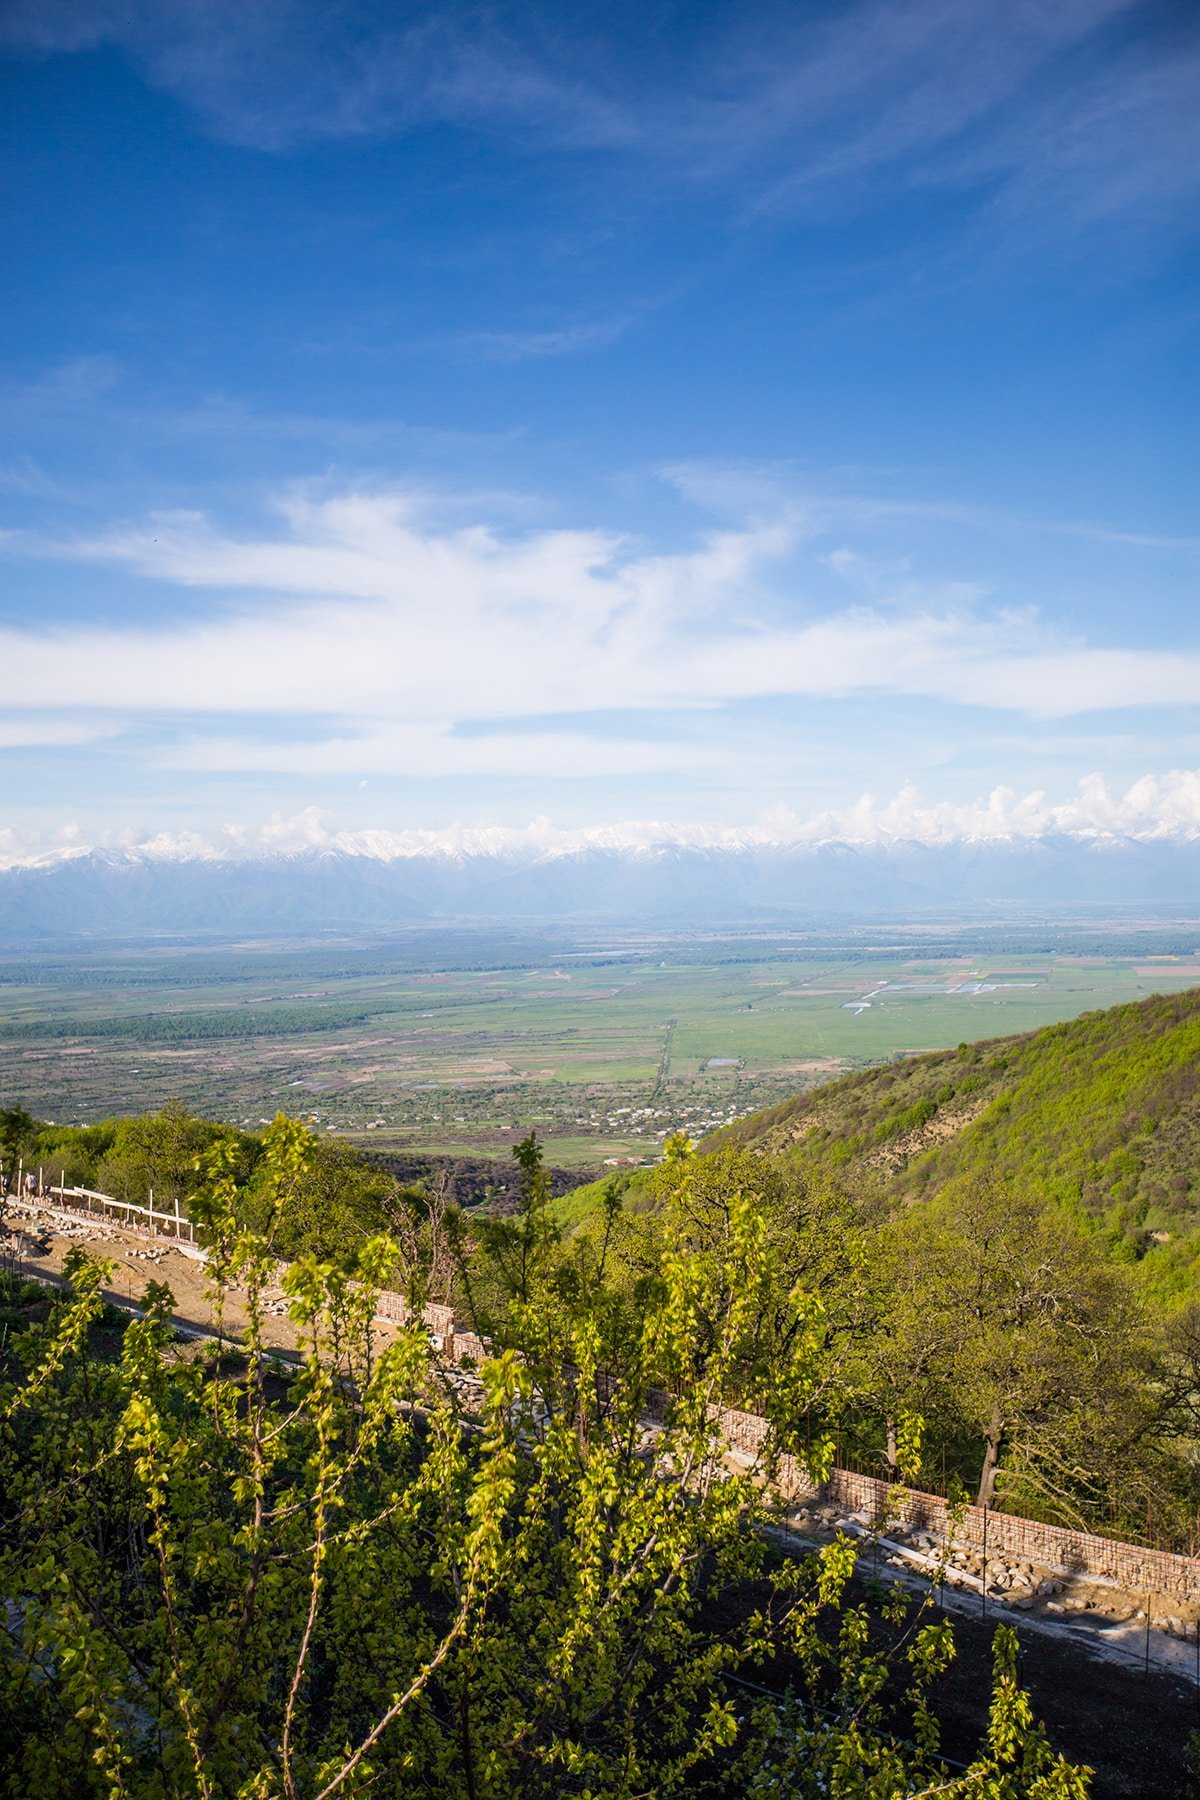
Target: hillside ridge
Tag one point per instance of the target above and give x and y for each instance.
(1101, 1112)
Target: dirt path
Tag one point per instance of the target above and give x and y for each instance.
(40, 1247)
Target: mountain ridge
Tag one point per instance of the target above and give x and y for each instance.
(326, 887)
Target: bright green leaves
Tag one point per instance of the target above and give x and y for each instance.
(358, 1570)
(1018, 1760)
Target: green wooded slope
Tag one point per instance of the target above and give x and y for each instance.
(1102, 1112)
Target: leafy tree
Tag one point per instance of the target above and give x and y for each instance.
(159, 1154)
(335, 1202)
(1007, 1318)
(373, 1577)
(18, 1135)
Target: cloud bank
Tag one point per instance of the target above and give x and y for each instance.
(1156, 809)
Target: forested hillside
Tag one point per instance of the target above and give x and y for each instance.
(1003, 1242)
(1101, 1113)
(1006, 1238)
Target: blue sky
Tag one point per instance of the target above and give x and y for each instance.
(711, 413)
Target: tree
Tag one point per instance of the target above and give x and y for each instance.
(18, 1134)
(158, 1154)
(1014, 1323)
(335, 1202)
(367, 1575)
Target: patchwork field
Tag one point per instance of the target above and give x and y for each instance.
(463, 1040)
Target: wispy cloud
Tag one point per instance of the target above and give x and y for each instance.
(1078, 110)
(371, 625)
(29, 731)
(294, 70)
(22, 476)
(68, 384)
(563, 340)
(742, 490)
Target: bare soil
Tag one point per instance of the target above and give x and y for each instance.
(1129, 1726)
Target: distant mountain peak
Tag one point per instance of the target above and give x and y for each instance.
(378, 880)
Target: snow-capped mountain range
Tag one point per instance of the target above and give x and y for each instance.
(373, 880)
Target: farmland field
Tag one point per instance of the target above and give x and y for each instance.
(461, 1040)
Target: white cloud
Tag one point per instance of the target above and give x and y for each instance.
(29, 732)
(384, 629)
(1165, 807)
(428, 751)
(23, 846)
(1154, 809)
(363, 609)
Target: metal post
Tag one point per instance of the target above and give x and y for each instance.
(1147, 1665)
(983, 1594)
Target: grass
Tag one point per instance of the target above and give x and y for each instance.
(464, 1040)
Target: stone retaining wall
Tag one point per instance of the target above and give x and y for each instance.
(996, 1533)
(469, 1344)
(1000, 1534)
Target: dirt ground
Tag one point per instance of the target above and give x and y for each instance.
(1130, 1727)
(41, 1248)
